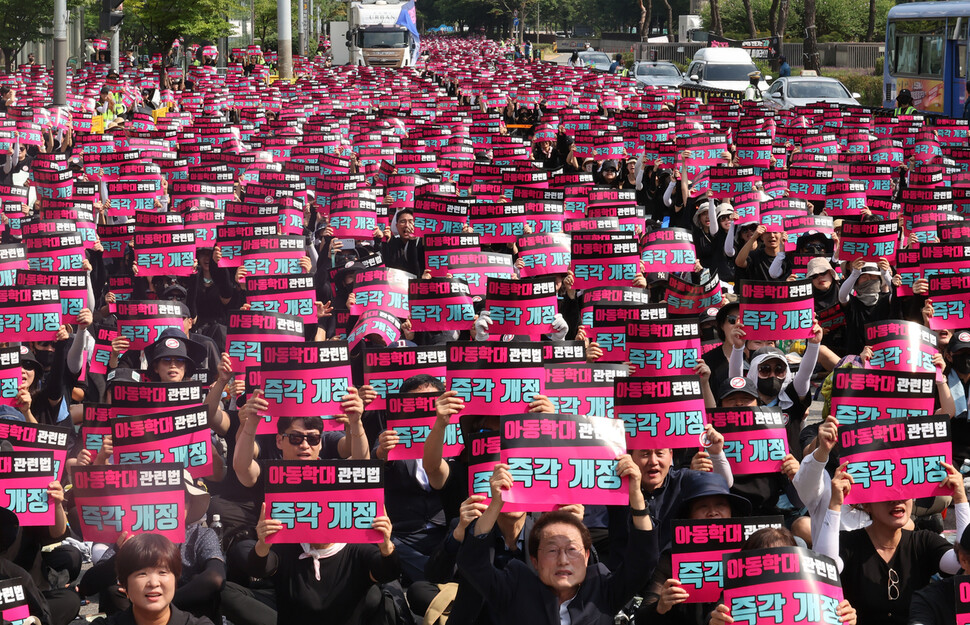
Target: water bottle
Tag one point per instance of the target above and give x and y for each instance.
(216, 526)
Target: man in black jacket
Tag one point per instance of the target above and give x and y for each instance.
(564, 588)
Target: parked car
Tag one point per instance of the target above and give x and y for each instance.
(723, 68)
(599, 61)
(657, 74)
(789, 92)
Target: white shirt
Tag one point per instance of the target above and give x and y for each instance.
(564, 618)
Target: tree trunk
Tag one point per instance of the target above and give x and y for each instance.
(643, 21)
(752, 30)
(716, 27)
(812, 61)
(670, 20)
(871, 30)
(782, 20)
(773, 18)
(648, 20)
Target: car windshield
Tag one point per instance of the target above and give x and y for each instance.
(817, 89)
(657, 70)
(718, 71)
(596, 59)
(386, 39)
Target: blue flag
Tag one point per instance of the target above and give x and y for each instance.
(409, 19)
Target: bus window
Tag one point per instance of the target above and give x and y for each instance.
(961, 61)
(907, 54)
(931, 61)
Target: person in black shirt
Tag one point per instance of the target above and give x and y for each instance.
(765, 264)
(405, 251)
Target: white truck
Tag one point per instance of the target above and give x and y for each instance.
(690, 28)
(373, 36)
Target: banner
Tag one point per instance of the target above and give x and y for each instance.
(901, 346)
(869, 240)
(778, 310)
(550, 454)
(668, 249)
(24, 476)
(865, 395)
(781, 585)
(178, 436)
(697, 548)
(387, 369)
(896, 459)
(411, 416)
(248, 330)
(755, 439)
(301, 380)
(604, 259)
(664, 411)
(583, 389)
(495, 378)
(328, 501)
(136, 499)
(521, 307)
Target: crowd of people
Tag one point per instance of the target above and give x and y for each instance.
(453, 135)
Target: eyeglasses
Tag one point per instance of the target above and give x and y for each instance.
(766, 369)
(297, 438)
(573, 553)
(892, 589)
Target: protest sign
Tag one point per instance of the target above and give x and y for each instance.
(544, 254)
(136, 499)
(666, 346)
(247, 330)
(10, 375)
(179, 436)
(604, 259)
(901, 346)
(495, 378)
(24, 477)
(869, 240)
(301, 380)
(755, 439)
(669, 249)
(326, 501)
(142, 322)
(290, 294)
(30, 313)
(549, 453)
(411, 416)
(521, 307)
(440, 304)
(14, 608)
(781, 585)
(583, 389)
(865, 395)
(778, 310)
(662, 411)
(38, 437)
(698, 546)
(895, 459)
(386, 369)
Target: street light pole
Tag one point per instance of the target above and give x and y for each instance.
(60, 52)
(285, 38)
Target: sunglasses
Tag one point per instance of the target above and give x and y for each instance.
(609, 171)
(296, 438)
(733, 319)
(766, 369)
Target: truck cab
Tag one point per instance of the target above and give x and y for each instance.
(373, 36)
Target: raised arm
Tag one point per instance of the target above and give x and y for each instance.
(433, 461)
(244, 457)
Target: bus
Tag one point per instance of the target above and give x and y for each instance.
(926, 52)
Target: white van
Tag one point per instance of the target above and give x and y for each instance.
(723, 68)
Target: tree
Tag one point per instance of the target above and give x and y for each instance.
(810, 48)
(22, 21)
(645, 15)
(159, 23)
(716, 26)
(871, 30)
(752, 31)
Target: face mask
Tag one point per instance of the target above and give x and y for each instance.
(770, 387)
(869, 292)
(44, 357)
(961, 364)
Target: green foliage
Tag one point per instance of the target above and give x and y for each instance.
(25, 20)
(836, 20)
(867, 86)
(155, 24)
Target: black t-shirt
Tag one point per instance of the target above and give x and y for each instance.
(758, 264)
(865, 576)
(719, 366)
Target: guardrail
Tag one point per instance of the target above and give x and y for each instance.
(704, 93)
